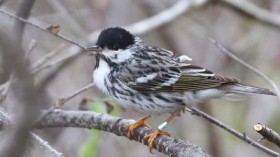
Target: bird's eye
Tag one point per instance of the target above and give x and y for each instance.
(116, 47)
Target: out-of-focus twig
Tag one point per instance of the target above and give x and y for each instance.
(258, 13)
(237, 134)
(230, 54)
(2, 2)
(145, 25)
(165, 16)
(52, 74)
(45, 145)
(52, 64)
(58, 6)
(37, 66)
(92, 120)
(15, 137)
(7, 120)
(243, 63)
(41, 28)
(268, 133)
(164, 32)
(61, 101)
(74, 94)
(137, 28)
(23, 12)
(4, 88)
(25, 107)
(31, 46)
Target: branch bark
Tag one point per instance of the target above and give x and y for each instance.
(91, 120)
(268, 133)
(241, 136)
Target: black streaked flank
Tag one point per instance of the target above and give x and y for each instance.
(177, 100)
(133, 101)
(161, 98)
(147, 106)
(138, 97)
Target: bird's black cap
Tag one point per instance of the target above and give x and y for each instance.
(115, 38)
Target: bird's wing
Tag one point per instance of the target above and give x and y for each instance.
(197, 78)
(171, 78)
(164, 72)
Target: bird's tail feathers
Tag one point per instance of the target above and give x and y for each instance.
(246, 89)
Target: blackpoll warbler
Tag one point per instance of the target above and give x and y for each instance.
(150, 80)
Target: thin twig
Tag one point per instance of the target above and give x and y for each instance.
(237, 134)
(268, 133)
(61, 101)
(234, 57)
(243, 63)
(52, 74)
(42, 28)
(51, 64)
(4, 88)
(137, 28)
(23, 11)
(46, 145)
(92, 120)
(37, 66)
(6, 120)
(145, 25)
(74, 94)
(30, 49)
(58, 6)
(258, 13)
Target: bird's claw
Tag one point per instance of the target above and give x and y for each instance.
(132, 126)
(152, 136)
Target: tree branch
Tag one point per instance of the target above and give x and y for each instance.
(268, 133)
(61, 101)
(21, 104)
(41, 28)
(137, 28)
(246, 65)
(45, 145)
(40, 63)
(165, 16)
(237, 134)
(254, 11)
(62, 10)
(23, 12)
(91, 120)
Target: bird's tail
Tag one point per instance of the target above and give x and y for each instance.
(246, 89)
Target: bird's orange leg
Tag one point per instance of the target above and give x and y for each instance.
(153, 135)
(132, 126)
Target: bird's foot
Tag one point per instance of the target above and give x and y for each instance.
(132, 126)
(152, 136)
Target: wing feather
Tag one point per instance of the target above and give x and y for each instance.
(169, 76)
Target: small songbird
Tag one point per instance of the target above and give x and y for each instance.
(151, 80)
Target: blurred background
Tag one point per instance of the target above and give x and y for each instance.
(255, 41)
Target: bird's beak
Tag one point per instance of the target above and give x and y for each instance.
(94, 48)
